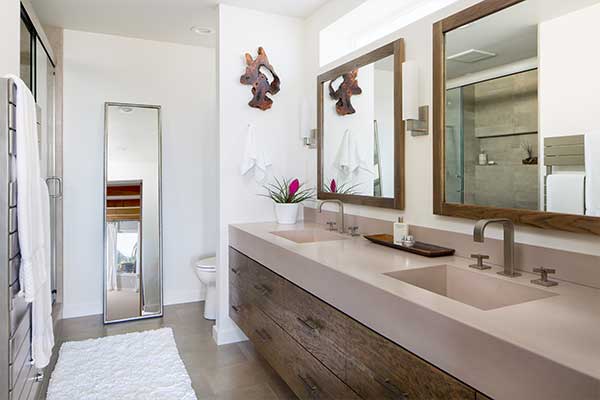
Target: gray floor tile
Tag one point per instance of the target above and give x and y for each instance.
(229, 372)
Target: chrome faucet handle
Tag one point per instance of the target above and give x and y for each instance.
(353, 231)
(480, 265)
(544, 281)
(331, 225)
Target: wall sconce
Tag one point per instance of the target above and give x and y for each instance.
(308, 135)
(416, 117)
(310, 139)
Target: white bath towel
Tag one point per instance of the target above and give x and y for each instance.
(565, 193)
(592, 172)
(34, 227)
(348, 158)
(255, 157)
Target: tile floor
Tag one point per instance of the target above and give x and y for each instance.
(233, 371)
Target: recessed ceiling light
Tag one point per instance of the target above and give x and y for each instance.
(126, 110)
(201, 30)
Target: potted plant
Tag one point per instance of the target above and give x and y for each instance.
(530, 160)
(287, 196)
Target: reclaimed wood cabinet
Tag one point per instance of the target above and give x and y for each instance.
(322, 353)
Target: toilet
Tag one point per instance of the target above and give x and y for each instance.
(206, 269)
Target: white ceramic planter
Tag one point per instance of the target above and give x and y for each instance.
(287, 213)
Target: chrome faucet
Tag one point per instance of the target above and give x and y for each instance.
(341, 227)
(509, 242)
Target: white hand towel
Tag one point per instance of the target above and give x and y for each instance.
(34, 227)
(565, 193)
(348, 159)
(592, 172)
(255, 157)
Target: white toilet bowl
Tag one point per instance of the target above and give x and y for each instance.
(206, 270)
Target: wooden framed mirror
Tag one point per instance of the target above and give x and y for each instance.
(513, 135)
(360, 130)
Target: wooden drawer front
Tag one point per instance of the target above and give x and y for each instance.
(238, 267)
(264, 286)
(379, 366)
(304, 374)
(320, 328)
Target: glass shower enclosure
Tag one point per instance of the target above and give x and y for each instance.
(455, 183)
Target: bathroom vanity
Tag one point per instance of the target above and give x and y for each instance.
(320, 351)
(339, 317)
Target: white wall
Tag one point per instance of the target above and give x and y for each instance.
(418, 162)
(241, 31)
(384, 114)
(565, 104)
(10, 17)
(100, 68)
(567, 93)
(360, 124)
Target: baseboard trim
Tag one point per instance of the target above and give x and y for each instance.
(187, 296)
(227, 336)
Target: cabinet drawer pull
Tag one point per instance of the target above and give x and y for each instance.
(389, 386)
(39, 377)
(264, 335)
(235, 270)
(309, 384)
(309, 323)
(235, 308)
(264, 291)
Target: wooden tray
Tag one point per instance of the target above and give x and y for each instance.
(420, 248)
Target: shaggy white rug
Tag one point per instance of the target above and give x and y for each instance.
(141, 366)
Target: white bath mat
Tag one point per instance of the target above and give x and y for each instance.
(141, 366)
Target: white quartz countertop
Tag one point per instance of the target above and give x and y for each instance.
(547, 348)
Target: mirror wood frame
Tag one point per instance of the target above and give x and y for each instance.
(396, 49)
(538, 219)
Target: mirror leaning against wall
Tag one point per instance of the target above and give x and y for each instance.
(132, 212)
(515, 128)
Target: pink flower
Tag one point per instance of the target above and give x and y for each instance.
(333, 186)
(294, 186)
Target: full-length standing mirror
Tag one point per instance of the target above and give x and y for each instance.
(361, 132)
(132, 212)
(515, 130)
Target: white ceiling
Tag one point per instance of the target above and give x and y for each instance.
(162, 20)
(511, 34)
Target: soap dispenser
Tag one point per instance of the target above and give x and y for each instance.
(400, 231)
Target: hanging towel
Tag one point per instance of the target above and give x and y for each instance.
(255, 157)
(592, 172)
(565, 193)
(34, 227)
(348, 159)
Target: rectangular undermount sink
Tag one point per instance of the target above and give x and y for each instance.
(475, 289)
(309, 235)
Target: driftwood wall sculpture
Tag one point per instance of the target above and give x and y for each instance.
(348, 88)
(259, 81)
